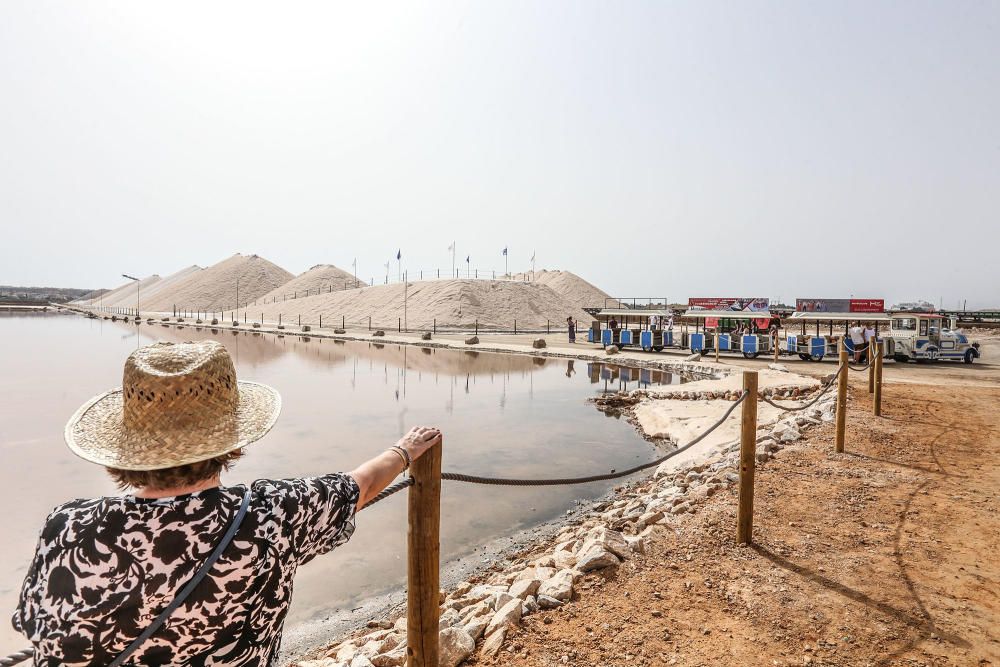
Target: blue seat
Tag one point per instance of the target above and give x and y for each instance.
(625, 337)
(749, 344)
(817, 346)
(792, 343)
(646, 339)
(606, 337)
(697, 342)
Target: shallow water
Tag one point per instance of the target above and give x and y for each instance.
(509, 415)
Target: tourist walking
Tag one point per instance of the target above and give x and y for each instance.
(103, 586)
(571, 324)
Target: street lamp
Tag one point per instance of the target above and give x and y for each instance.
(125, 275)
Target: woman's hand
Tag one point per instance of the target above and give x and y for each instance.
(375, 474)
(419, 440)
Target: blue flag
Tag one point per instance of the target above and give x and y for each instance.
(505, 251)
(467, 259)
(399, 254)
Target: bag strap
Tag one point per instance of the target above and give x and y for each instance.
(189, 586)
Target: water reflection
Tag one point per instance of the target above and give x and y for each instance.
(510, 415)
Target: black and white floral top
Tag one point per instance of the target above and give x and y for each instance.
(104, 568)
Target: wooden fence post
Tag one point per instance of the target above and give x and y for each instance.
(842, 399)
(871, 366)
(748, 458)
(877, 400)
(423, 553)
(717, 344)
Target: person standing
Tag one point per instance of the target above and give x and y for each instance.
(571, 324)
(869, 335)
(104, 584)
(858, 341)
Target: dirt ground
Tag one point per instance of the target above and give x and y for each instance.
(884, 555)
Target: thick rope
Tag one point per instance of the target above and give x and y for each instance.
(822, 391)
(17, 658)
(389, 490)
(474, 479)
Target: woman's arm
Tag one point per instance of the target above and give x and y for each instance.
(375, 474)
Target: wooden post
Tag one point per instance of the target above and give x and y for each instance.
(717, 345)
(871, 366)
(423, 553)
(877, 400)
(748, 458)
(842, 399)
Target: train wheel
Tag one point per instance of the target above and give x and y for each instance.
(647, 349)
(750, 355)
(803, 357)
(815, 357)
(658, 348)
(969, 357)
(901, 358)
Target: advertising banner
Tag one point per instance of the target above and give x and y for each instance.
(730, 303)
(840, 305)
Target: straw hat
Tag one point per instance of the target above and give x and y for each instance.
(178, 404)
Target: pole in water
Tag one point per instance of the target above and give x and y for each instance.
(841, 399)
(423, 560)
(748, 458)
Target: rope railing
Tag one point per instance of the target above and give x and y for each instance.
(812, 402)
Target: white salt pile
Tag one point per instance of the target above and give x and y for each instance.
(462, 302)
(573, 288)
(320, 278)
(123, 295)
(215, 288)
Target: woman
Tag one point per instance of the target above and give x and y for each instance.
(105, 568)
(571, 323)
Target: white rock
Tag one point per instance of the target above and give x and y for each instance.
(564, 559)
(477, 626)
(525, 587)
(455, 645)
(394, 658)
(781, 368)
(530, 606)
(506, 617)
(448, 619)
(611, 540)
(560, 586)
(361, 661)
(547, 602)
(494, 642)
(596, 557)
(637, 544)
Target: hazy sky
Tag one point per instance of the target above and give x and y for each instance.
(679, 149)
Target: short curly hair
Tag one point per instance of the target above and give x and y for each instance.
(170, 478)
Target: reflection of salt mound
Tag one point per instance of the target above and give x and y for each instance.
(320, 278)
(124, 295)
(571, 287)
(214, 288)
(494, 304)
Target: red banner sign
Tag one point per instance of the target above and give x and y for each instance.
(729, 303)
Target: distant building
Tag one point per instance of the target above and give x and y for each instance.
(917, 306)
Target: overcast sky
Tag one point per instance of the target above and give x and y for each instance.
(678, 149)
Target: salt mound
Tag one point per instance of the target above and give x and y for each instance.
(462, 302)
(124, 295)
(320, 278)
(571, 287)
(214, 288)
(148, 288)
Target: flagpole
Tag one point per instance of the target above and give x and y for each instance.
(452, 258)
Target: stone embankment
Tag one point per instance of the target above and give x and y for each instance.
(477, 615)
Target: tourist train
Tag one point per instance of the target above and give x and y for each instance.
(812, 331)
